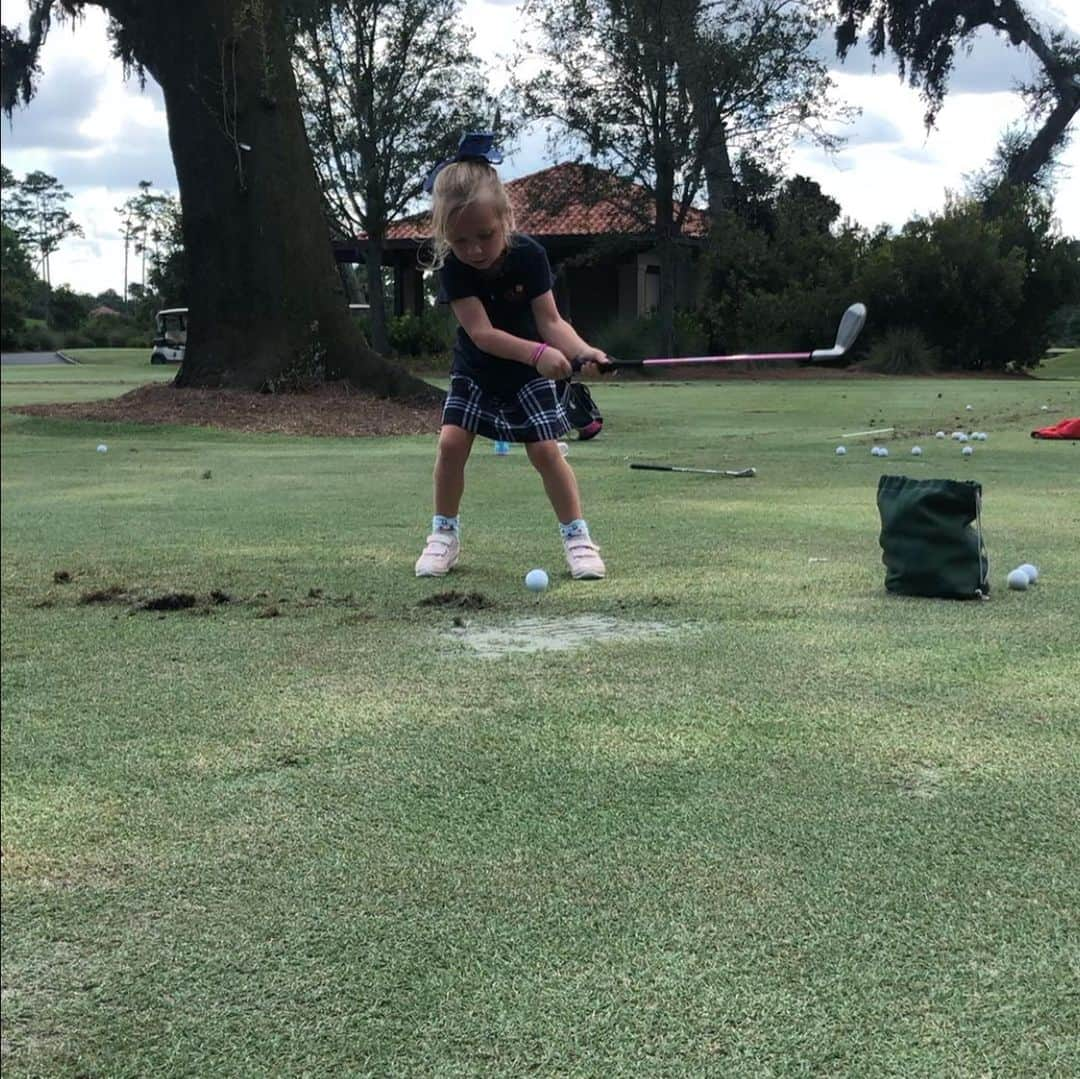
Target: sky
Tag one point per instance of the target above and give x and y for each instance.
(99, 135)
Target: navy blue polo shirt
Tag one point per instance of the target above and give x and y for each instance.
(507, 292)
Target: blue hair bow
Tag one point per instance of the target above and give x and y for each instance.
(474, 146)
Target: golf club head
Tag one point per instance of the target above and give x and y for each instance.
(851, 324)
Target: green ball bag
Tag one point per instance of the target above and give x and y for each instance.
(931, 538)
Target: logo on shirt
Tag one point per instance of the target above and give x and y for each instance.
(515, 294)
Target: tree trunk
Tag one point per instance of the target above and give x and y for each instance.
(665, 244)
(268, 309)
(373, 263)
(716, 159)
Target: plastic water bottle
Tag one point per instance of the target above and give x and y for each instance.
(502, 449)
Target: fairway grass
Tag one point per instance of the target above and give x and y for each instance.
(303, 828)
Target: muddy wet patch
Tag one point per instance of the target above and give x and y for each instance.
(540, 634)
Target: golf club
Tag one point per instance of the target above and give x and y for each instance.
(851, 324)
(727, 473)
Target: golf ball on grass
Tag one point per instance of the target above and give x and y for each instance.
(967, 451)
(1031, 571)
(841, 450)
(1017, 580)
(916, 451)
(536, 580)
(939, 434)
(102, 448)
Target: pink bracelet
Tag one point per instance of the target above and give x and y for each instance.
(539, 351)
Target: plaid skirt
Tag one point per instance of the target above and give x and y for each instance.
(536, 413)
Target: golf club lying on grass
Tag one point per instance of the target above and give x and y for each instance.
(851, 324)
(728, 473)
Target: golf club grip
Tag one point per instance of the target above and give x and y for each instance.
(653, 468)
(609, 368)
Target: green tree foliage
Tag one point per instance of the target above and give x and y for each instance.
(657, 91)
(924, 37)
(982, 290)
(387, 88)
(780, 265)
(37, 212)
(17, 285)
(67, 309)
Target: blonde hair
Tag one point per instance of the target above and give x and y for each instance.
(460, 184)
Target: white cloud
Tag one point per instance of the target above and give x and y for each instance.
(100, 135)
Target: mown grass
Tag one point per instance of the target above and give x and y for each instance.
(98, 373)
(811, 830)
(1060, 365)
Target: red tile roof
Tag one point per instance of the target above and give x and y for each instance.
(570, 200)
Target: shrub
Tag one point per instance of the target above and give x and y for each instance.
(35, 338)
(108, 331)
(418, 335)
(643, 337)
(1064, 327)
(902, 350)
(76, 339)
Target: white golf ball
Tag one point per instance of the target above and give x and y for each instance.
(536, 580)
(841, 450)
(1017, 580)
(968, 408)
(967, 451)
(102, 448)
(981, 436)
(939, 434)
(1031, 571)
(1045, 408)
(916, 451)
(883, 451)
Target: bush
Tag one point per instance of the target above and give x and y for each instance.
(108, 331)
(420, 335)
(35, 338)
(76, 339)
(1064, 327)
(643, 337)
(67, 310)
(981, 288)
(902, 350)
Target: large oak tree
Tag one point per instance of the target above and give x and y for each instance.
(924, 36)
(268, 307)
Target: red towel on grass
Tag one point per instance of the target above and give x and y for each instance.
(1065, 429)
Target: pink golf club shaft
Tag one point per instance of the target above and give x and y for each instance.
(746, 357)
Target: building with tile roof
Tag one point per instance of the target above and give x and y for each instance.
(597, 230)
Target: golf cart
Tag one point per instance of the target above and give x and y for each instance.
(170, 338)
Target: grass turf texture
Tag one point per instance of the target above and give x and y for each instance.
(98, 373)
(820, 831)
(1064, 364)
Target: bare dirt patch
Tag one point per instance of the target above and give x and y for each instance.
(333, 409)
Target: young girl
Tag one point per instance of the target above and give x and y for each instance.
(511, 346)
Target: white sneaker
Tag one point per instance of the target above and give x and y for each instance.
(583, 558)
(440, 554)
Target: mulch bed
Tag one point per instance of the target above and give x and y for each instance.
(333, 409)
